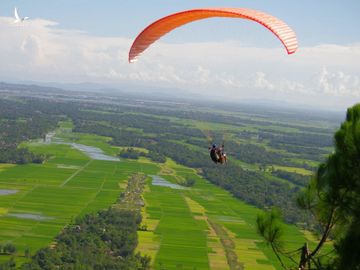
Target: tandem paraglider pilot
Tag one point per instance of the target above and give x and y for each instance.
(217, 154)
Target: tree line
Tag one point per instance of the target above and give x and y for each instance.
(22, 121)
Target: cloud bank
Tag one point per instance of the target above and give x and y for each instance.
(325, 75)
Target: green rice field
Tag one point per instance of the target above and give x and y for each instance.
(46, 197)
(182, 227)
(192, 228)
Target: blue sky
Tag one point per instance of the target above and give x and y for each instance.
(316, 22)
(77, 41)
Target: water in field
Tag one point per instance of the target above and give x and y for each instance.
(7, 191)
(71, 167)
(93, 152)
(159, 181)
(29, 216)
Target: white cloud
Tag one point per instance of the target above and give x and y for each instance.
(338, 83)
(38, 50)
(261, 81)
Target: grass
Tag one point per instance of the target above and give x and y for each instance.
(5, 166)
(180, 223)
(69, 184)
(91, 140)
(66, 124)
(301, 171)
(183, 236)
(139, 149)
(149, 243)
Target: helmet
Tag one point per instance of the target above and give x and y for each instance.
(214, 145)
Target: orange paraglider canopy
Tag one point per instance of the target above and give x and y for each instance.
(161, 27)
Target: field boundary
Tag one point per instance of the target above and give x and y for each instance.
(75, 173)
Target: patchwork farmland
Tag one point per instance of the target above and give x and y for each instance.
(201, 227)
(187, 222)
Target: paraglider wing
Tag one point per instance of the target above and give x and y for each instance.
(161, 27)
